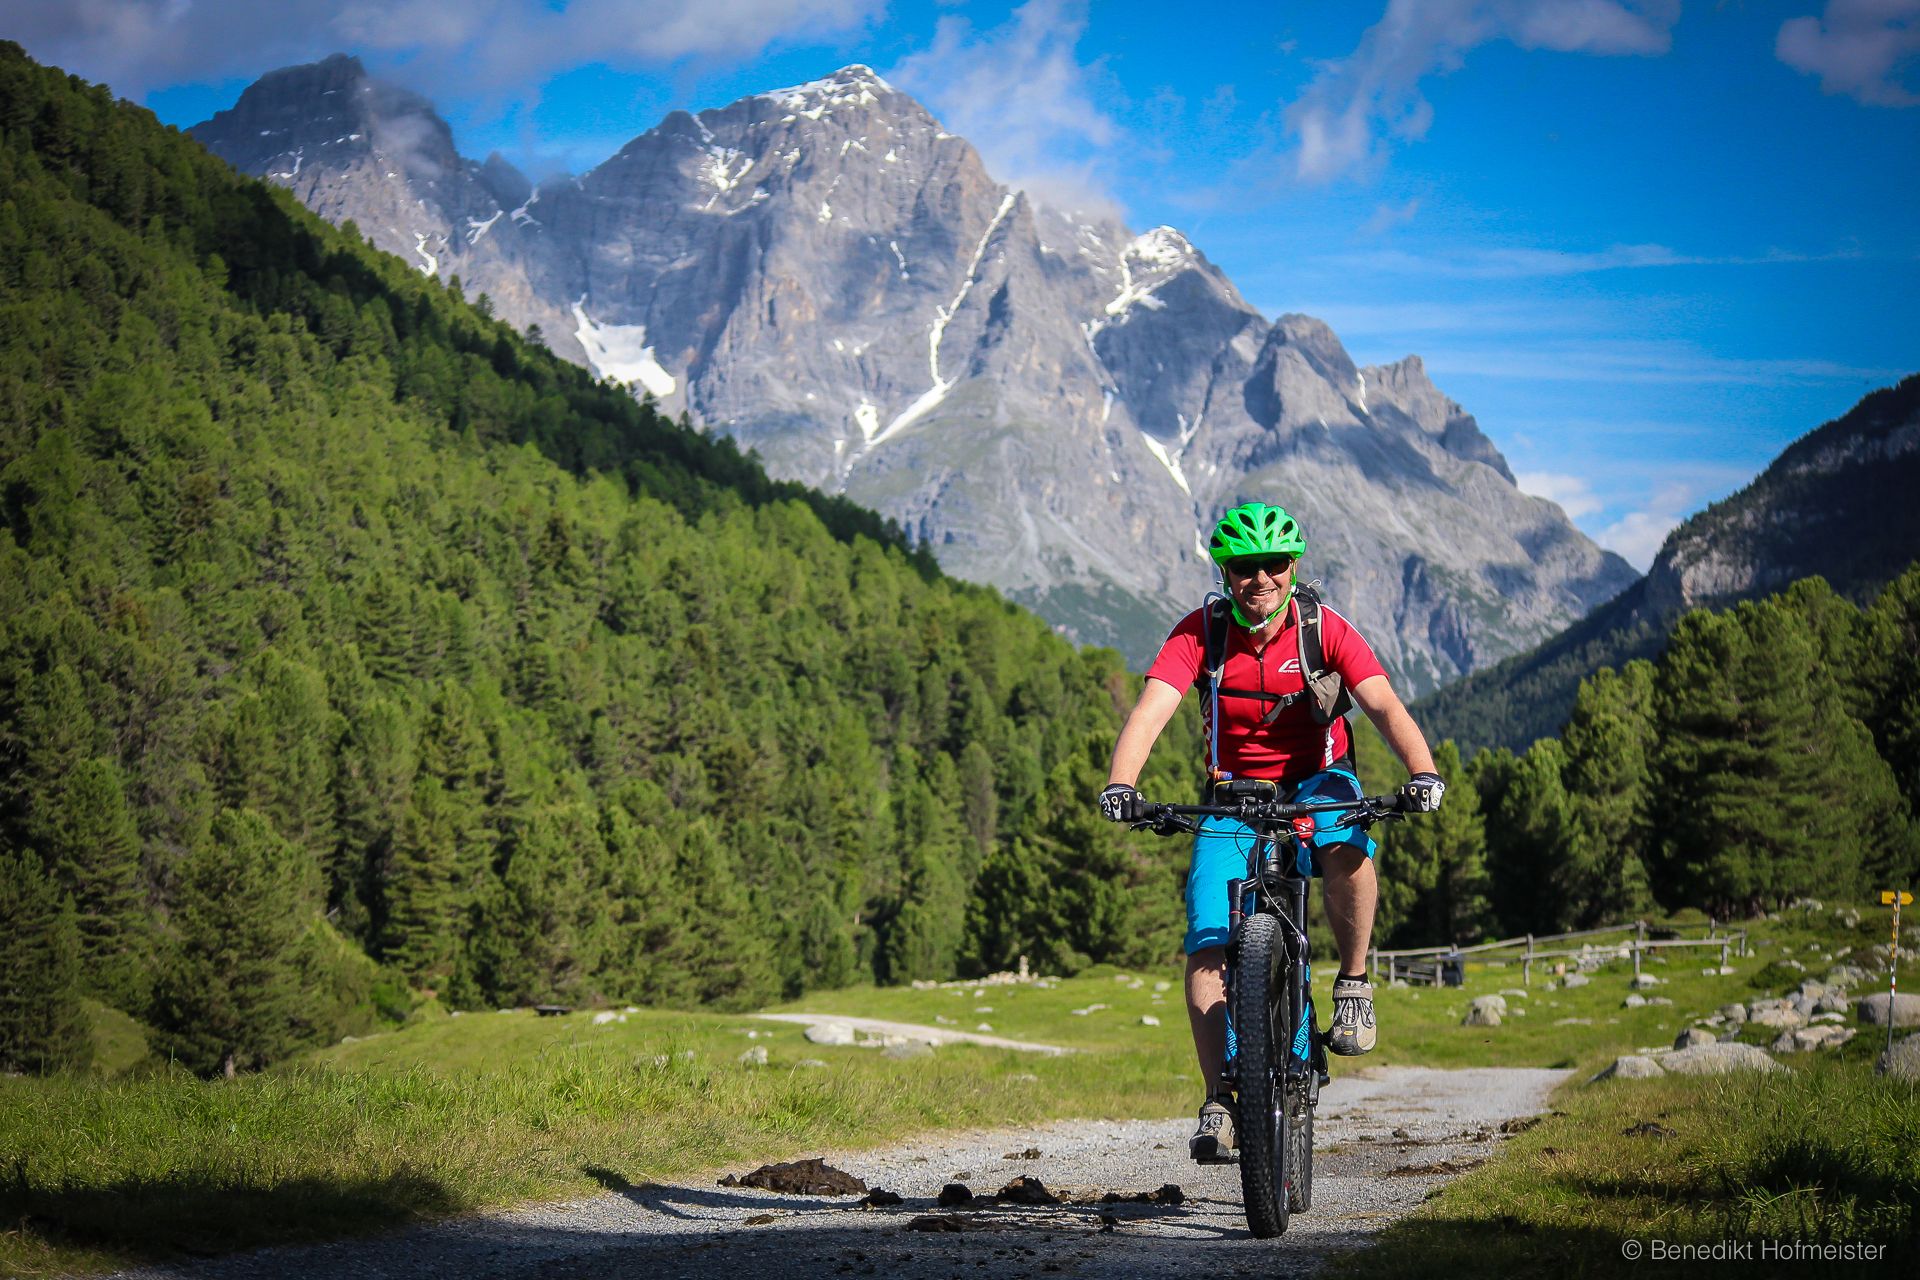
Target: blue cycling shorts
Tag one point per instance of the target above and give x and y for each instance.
(1223, 851)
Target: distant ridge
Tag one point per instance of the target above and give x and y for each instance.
(1842, 502)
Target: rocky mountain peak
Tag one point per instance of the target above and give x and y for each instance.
(1056, 405)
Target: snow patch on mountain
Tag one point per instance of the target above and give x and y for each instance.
(620, 352)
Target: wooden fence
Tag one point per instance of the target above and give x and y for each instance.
(1424, 964)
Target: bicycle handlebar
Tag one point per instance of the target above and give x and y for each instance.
(1166, 819)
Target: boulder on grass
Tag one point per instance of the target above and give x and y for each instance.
(829, 1033)
(1733, 1012)
(1693, 1037)
(1718, 1059)
(1807, 1039)
(1632, 1067)
(1873, 1009)
(1575, 980)
(1902, 1061)
(1482, 1015)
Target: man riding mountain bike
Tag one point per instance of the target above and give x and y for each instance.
(1278, 671)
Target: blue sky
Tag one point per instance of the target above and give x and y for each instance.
(1646, 242)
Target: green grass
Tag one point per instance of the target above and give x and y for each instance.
(453, 1114)
(1826, 1154)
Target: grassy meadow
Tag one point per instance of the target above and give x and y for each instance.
(455, 1113)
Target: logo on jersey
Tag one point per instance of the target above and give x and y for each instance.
(1291, 667)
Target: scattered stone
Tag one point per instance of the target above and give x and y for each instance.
(761, 1219)
(1780, 1016)
(907, 1050)
(1648, 1129)
(1663, 1000)
(936, 1222)
(1694, 1036)
(1734, 1012)
(985, 1026)
(1163, 985)
(829, 1033)
(1031, 1153)
(1025, 1190)
(1519, 1124)
(1484, 1011)
(1906, 1010)
(1573, 1022)
(880, 1198)
(1902, 1061)
(605, 1016)
(1522, 992)
(1632, 1067)
(1644, 982)
(1807, 1039)
(1635, 1001)
(811, 1064)
(944, 1020)
(1167, 1194)
(983, 1008)
(810, 1177)
(1148, 1020)
(1575, 980)
(1846, 975)
(953, 1195)
(754, 1057)
(1719, 1058)
(1437, 1168)
(1402, 1133)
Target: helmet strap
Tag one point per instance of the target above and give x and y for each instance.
(1251, 624)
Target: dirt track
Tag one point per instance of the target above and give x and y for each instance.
(1365, 1177)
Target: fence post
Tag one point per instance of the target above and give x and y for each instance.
(1639, 933)
(1723, 953)
(1526, 965)
(1636, 959)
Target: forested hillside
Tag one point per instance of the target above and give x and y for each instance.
(354, 649)
(1771, 751)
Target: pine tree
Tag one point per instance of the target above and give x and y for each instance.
(40, 1023)
(425, 891)
(1434, 866)
(229, 995)
(1609, 741)
(95, 853)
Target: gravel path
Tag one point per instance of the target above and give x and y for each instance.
(1379, 1133)
(911, 1031)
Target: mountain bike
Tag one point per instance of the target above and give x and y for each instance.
(1279, 1064)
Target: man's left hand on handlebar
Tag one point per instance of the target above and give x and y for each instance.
(1422, 793)
(1121, 803)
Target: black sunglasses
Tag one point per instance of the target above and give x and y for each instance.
(1274, 566)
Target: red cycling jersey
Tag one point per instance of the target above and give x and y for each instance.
(1293, 747)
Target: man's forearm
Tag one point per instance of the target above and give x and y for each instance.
(1404, 736)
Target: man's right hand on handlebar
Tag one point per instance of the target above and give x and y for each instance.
(1121, 803)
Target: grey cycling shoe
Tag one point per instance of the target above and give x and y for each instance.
(1213, 1140)
(1352, 1032)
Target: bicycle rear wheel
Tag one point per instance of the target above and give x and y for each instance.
(1259, 991)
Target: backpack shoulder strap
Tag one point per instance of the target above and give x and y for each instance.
(1330, 698)
(1215, 628)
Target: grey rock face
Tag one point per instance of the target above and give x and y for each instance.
(1057, 406)
(1631, 1067)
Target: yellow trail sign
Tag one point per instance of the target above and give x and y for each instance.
(1888, 897)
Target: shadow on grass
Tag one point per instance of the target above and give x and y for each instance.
(166, 1218)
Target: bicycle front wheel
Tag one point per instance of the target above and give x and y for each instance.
(1259, 993)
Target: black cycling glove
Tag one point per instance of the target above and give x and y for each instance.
(1421, 793)
(1121, 803)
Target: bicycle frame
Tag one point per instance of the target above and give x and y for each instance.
(1276, 888)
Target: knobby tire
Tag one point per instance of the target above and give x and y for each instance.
(1299, 1149)
(1257, 990)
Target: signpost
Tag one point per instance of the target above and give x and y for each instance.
(1896, 899)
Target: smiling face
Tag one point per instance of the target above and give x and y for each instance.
(1260, 585)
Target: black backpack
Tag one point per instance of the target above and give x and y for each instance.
(1329, 696)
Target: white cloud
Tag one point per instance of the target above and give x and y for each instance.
(1866, 49)
(1341, 120)
(1637, 535)
(1519, 262)
(507, 45)
(1612, 360)
(1573, 494)
(1388, 216)
(1018, 93)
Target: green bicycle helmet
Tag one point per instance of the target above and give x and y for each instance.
(1256, 529)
